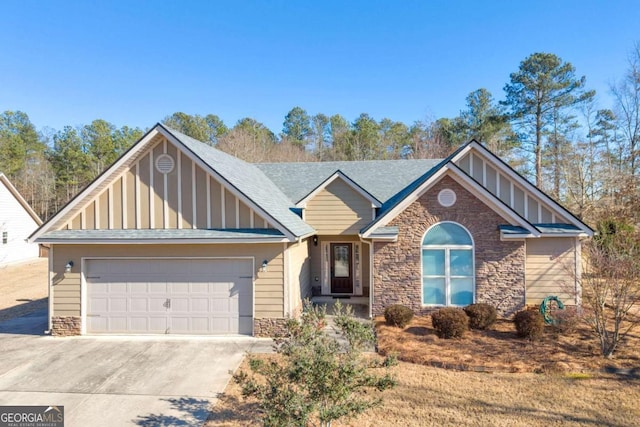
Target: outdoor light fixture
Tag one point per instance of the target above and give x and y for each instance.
(315, 240)
(264, 265)
(68, 267)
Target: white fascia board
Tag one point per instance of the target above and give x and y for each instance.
(383, 238)
(228, 186)
(375, 203)
(140, 145)
(556, 208)
(160, 241)
(16, 194)
(389, 216)
(490, 200)
(471, 185)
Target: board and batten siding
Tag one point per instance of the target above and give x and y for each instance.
(507, 190)
(269, 285)
(144, 198)
(18, 224)
(338, 209)
(550, 269)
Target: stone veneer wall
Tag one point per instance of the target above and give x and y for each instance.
(64, 326)
(268, 328)
(500, 266)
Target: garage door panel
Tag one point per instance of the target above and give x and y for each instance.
(203, 296)
(118, 305)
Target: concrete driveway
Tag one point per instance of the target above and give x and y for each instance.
(117, 381)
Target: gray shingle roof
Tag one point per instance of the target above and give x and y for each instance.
(250, 181)
(162, 234)
(380, 178)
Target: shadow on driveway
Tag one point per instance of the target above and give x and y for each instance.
(187, 411)
(34, 323)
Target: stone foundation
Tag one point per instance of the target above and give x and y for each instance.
(64, 326)
(499, 266)
(268, 328)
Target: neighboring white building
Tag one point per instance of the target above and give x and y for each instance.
(17, 222)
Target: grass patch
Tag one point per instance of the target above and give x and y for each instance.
(427, 396)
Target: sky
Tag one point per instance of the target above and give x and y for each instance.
(135, 62)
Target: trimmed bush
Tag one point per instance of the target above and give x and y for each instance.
(565, 321)
(529, 324)
(450, 322)
(398, 315)
(481, 315)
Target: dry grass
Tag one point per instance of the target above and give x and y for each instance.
(23, 288)
(509, 392)
(500, 350)
(427, 396)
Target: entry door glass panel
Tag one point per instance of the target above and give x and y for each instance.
(341, 261)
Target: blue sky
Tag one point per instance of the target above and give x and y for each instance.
(135, 62)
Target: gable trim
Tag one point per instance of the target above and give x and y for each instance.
(497, 162)
(375, 203)
(226, 184)
(134, 149)
(16, 194)
(140, 146)
(450, 169)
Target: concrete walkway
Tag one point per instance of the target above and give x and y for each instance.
(117, 381)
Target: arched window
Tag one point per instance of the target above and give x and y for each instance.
(447, 266)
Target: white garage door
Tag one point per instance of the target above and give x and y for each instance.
(169, 296)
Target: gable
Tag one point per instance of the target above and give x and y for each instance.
(508, 189)
(338, 208)
(143, 197)
(13, 205)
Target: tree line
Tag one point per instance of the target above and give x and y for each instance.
(548, 125)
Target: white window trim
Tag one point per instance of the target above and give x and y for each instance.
(356, 267)
(447, 276)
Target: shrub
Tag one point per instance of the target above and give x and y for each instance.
(450, 322)
(529, 324)
(398, 315)
(566, 321)
(481, 315)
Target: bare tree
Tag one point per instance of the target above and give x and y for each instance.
(611, 284)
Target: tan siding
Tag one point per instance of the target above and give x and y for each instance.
(477, 168)
(491, 179)
(76, 222)
(299, 269)
(532, 210)
(550, 269)
(245, 214)
(518, 200)
(172, 189)
(505, 190)
(216, 212)
(201, 198)
(464, 163)
(131, 198)
(104, 210)
(338, 209)
(230, 210)
(123, 196)
(158, 190)
(144, 192)
(269, 295)
(117, 204)
(90, 212)
(187, 199)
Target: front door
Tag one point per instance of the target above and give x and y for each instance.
(341, 268)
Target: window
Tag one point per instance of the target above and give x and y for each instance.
(447, 266)
(5, 237)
